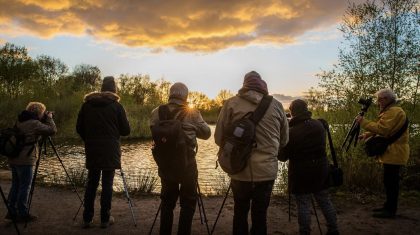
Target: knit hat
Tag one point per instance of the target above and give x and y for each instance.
(253, 81)
(108, 84)
(298, 107)
(178, 91)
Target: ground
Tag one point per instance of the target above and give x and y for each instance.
(56, 206)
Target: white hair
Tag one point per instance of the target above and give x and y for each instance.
(388, 93)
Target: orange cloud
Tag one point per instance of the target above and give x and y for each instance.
(188, 25)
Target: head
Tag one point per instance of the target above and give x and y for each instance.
(37, 108)
(108, 84)
(298, 107)
(178, 93)
(253, 81)
(385, 97)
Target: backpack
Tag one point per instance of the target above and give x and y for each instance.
(170, 149)
(12, 141)
(239, 139)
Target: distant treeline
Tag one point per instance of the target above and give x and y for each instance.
(48, 80)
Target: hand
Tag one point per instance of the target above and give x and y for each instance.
(359, 119)
(362, 136)
(49, 114)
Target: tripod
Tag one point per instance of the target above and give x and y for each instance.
(203, 216)
(130, 203)
(9, 211)
(43, 145)
(353, 133)
(221, 207)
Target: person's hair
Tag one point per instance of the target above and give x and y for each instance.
(388, 93)
(36, 107)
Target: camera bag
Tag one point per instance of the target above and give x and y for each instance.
(239, 139)
(377, 145)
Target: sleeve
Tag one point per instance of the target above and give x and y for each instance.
(386, 124)
(202, 129)
(123, 124)
(48, 128)
(222, 120)
(80, 126)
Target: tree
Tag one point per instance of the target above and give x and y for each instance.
(381, 49)
(86, 75)
(16, 67)
(222, 97)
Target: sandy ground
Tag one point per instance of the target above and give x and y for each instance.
(56, 207)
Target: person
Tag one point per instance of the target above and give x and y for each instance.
(34, 122)
(308, 167)
(390, 120)
(184, 185)
(254, 183)
(100, 123)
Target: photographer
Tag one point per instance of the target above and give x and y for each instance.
(308, 167)
(390, 120)
(33, 122)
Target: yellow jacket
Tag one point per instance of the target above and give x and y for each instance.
(389, 122)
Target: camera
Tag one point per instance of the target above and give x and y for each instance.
(44, 118)
(365, 103)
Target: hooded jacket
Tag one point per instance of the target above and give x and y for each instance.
(32, 129)
(100, 123)
(271, 134)
(390, 120)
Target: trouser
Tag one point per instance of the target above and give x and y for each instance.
(21, 184)
(304, 204)
(258, 195)
(391, 184)
(187, 192)
(106, 196)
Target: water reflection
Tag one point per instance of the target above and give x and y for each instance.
(137, 159)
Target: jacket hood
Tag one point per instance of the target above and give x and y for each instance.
(26, 115)
(101, 98)
(251, 95)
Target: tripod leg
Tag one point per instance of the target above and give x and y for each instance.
(65, 170)
(316, 215)
(348, 134)
(9, 211)
(29, 202)
(202, 207)
(220, 210)
(128, 197)
(78, 210)
(154, 221)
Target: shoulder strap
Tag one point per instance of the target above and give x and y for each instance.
(164, 112)
(399, 133)
(332, 150)
(261, 109)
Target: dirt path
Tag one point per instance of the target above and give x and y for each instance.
(56, 207)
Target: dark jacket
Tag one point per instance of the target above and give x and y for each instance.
(100, 123)
(308, 165)
(32, 129)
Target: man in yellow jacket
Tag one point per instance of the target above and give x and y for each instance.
(390, 120)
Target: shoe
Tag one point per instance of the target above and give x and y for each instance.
(87, 224)
(378, 210)
(108, 223)
(384, 215)
(27, 218)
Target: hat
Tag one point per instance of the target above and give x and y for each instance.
(108, 84)
(178, 91)
(253, 81)
(298, 106)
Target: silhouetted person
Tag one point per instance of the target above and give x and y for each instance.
(101, 122)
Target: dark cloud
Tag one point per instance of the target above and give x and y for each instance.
(189, 25)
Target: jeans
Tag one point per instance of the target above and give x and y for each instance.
(21, 184)
(245, 192)
(106, 195)
(304, 205)
(187, 192)
(392, 188)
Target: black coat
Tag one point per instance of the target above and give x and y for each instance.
(308, 165)
(100, 123)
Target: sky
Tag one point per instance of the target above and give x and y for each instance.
(207, 44)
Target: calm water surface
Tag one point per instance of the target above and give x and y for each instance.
(137, 160)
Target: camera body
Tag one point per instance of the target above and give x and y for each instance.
(365, 103)
(46, 113)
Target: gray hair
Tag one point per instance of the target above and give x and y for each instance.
(388, 93)
(36, 107)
